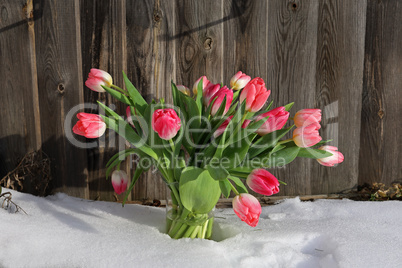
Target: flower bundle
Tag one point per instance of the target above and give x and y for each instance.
(212, 141)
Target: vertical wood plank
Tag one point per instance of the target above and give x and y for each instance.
(150, 66)
(199, 41)
(292, 41)
(340, 47)
(60, 89)
(103, 46)
(381, 124)
(19, 115)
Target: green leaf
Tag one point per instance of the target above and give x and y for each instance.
(226, 187)
(216, 171)
(282, 157)
(267, 141)
(313, 153)
(137, 174)
(199, 192)
(289, 106)
(236, 152)
(240, 187)
(136, 98)
(118, 95)
(199, 96)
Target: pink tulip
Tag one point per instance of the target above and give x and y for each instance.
(307, 136)
(119, 181)
(222, 127)
(166, 123)
(276, 120)
(307, 117)
(98, 78)
(246, 123)
(247, 208)
(239, 81)
(210, 92)
(205, 82)
(89, 125)
(185, 90)
(129, 116)
(335, 158)
(263, 182)
(256, 94)
(221, 94)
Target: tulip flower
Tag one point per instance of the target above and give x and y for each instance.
(129, 116)
(205, 82)
(222, 127)
(335, 158)
(89, 125)
(276, 120)
(246, 123)
(247, 208)
(210, 92)
(119, 181)
(166, 123)
(185, 90)
(263, 182)
(307, 117)
(239, 81)
(307, 136)
(220, 96)
(98, 78)
(256, 94)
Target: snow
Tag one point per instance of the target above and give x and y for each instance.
(63, 231)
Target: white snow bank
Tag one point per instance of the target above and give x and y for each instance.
(62, 231)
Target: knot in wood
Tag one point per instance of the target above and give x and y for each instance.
(208, 43)
(61, 88)
(381, 114)
(157, 18)
(293, 6)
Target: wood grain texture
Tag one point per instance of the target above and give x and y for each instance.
(292, 41)
(19, 114)
(60, 89)
(381, 124)
(199, 41)
(150, 66)
(103, 46)
(340, 46)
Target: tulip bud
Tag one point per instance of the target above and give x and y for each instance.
(129, 116)
(209, 93)
(220, 96)
(185, 90)
(205, 82)
(119, 181)
(307, 117)
(166, 123)
(256, 94)
(335, 158)
(277, 118)
(263, 182)
(239, 81)
(98, 78)
(307, 136)
(247, 208)
(222, 127)
(89, 125)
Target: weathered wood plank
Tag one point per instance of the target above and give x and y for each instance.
(341, 30)
(60, 83)
(381, 123)
(150, 67)
(199, 41)
(103, 46)
(291, 45)
(19, 115)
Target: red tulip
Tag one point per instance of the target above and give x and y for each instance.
(276, 120)
(247, 208)
(307, 117)
(335, 158)
(89, 125)
(263, 182)
(185, 90)
(239, 81)
(166, 123)
(210, 92)
(205, 82)
(119, 181)
(307, 136)
(98, 78)
(129, 116)
(221, 94)
(256, 94)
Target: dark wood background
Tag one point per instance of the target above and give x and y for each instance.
(344, 57)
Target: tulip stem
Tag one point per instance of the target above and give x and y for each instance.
(285, 141)
(234, 189)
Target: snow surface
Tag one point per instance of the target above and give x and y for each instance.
(62, 231)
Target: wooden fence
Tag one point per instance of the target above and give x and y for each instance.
(344, 57)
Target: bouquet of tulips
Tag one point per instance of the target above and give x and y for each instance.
(210, 142)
